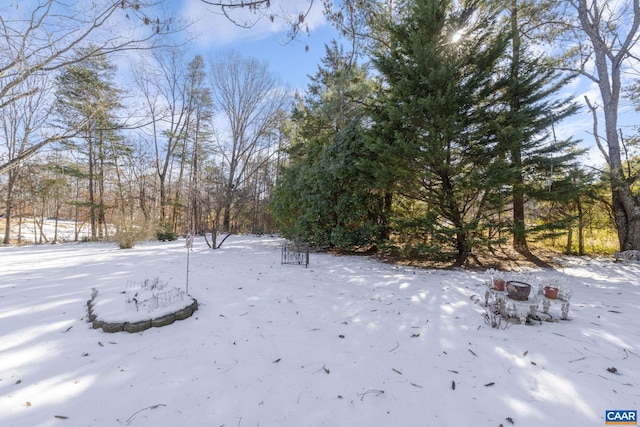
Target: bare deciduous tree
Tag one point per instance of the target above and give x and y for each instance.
(176, 103)
(252, 102)
(604, 36)
(21, 121)
(45, 39)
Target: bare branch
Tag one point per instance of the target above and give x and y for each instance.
(262, 9)
(48, 40)
(595, 130)
(240, 4)
(26, 154)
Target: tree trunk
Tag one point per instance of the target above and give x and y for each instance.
(102, 216)
(214, 239)
(9, 207)
(608, 63)
(463, 248)
(7, 225)
(20, 228)
(226, 213)
(519, 224)
(92, 198)
(55, 224)
(580, 227)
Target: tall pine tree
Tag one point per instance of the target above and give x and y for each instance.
(435, 130)
(86, 102)
(526, 126)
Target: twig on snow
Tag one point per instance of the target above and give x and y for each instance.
(143, 409)
(371, 391)
(323, 369)
(395, 348)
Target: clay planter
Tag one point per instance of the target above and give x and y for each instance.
(518, 290)
(551, 292)
(498, 284)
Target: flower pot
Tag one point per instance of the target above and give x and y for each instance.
(518, 290)
(551, 292)
(498, 284)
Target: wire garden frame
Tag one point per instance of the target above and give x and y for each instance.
(295, 253)
(152, 294)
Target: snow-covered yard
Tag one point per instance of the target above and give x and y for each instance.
(349, 341)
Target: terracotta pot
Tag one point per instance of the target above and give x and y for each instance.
(498, 284)
(551, 292)
(518, 290)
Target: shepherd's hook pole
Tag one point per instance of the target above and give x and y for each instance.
(189, 245)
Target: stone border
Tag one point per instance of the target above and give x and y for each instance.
(133, 327)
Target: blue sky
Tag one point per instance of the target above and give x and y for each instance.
(266, 41)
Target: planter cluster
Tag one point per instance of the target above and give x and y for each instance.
(138, 326)
(516, 300)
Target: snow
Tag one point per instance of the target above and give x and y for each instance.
(348, 341)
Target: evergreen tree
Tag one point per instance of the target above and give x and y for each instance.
(86, 99)
(559, 205)
(435, 134)
(530, 113)
(322, 197)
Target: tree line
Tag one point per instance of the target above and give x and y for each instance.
(432, 134)
(190, 144)
(452, 145)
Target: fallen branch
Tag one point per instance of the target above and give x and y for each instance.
(143, 409)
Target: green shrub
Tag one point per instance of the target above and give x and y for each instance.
(166, 236)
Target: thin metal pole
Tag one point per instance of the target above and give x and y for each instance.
(188, 250)
(189, 245)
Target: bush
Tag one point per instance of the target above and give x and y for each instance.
(127, 235)
(166, 236)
